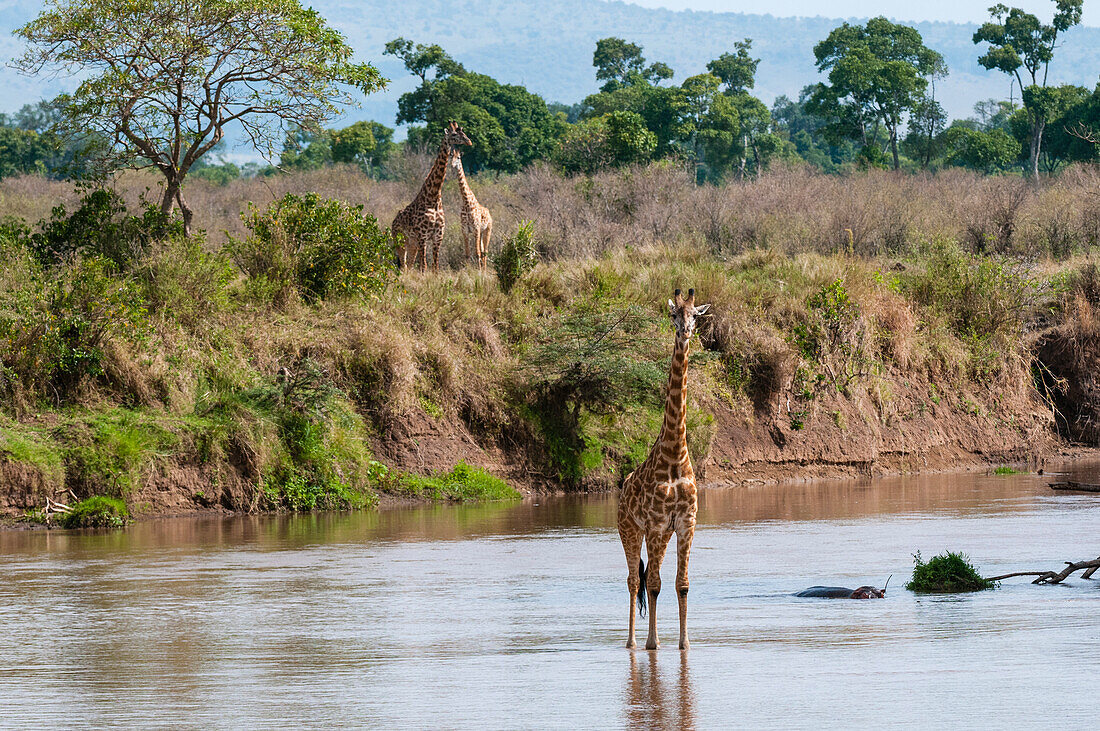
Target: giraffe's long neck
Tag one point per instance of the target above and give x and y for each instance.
(673, 439)
(469, 202)
(432, 190)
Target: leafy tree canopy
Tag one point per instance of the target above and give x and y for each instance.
(878, 73)
(162, 79)
(1021, 45)
(509, 126)
(619, 64)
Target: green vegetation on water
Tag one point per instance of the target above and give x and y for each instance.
(945, 574)
(1006, 470)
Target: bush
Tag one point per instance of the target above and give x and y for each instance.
(55, 331)
(316, 247)
(978, 295)
(102, 227)
(97, 512)
(593, 360)
(946, 573)
(462, 484)
(516, 257)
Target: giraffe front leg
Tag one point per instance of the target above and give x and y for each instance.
(631, 538)
(485, 246)
(437, 242)
(683, 551)
(656, 543)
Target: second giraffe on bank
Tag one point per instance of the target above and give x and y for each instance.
(421, 222)
(659, 498)
(477, 223)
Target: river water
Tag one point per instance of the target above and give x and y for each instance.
(514, 616)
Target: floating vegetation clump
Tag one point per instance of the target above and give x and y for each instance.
(947, 573)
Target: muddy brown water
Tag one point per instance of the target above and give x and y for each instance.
(513, 616)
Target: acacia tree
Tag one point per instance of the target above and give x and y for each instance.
(1022, 46)
(878, 73)
(163, 79)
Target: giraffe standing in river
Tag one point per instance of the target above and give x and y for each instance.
(477, 223)
(421, 222)
(659, 498)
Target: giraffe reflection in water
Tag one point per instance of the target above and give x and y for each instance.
(653, 701)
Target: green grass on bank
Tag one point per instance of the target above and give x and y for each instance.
(462, 484)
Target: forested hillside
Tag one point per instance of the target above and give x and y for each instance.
(547, 47)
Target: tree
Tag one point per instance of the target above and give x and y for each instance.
(923, 143)
(736, 71)
(984, 151)
(804, 137)
(162, 80)
(509, 126)
(1022, 46)
(631, 86)
(619, 64)
(612, 140)
(726, 129)
(878, 74)
(1067, 108)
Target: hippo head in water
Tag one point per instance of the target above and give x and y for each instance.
(868, 592)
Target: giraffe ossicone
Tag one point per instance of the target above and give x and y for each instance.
(659, 498)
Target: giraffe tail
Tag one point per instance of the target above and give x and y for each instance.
(641, 587)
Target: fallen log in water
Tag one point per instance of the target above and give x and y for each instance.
(1055, 577)
(1070, 485)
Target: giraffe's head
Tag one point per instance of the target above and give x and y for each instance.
(683, 312)
(453, 135)
(456, 158)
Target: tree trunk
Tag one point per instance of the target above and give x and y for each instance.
(894, 147)
(173, 193)
(1036, 142)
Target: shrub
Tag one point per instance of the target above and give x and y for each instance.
(979, 295)
(316, 247)
(835, 335)
(55, 331)
(102, 227)
(596, 360)
(97, 512)
(947, 573)
(516, 257)
(462, 484)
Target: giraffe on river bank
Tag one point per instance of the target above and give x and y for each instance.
(477, 223)
(421, 222)
(659, 498)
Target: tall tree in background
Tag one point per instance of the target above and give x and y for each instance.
(878, 74)
(163, 79)
(632, 86)
(619, 64)
(728, 128)
(510, 127)
(1022, 46)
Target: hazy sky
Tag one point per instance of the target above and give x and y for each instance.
(962, 11)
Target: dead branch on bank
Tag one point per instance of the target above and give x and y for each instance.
(1056, 577)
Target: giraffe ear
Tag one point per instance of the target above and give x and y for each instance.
(671, 307)
(701, 310)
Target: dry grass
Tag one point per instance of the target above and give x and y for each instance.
(788, 210)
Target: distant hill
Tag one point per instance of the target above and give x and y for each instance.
(547, 46)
